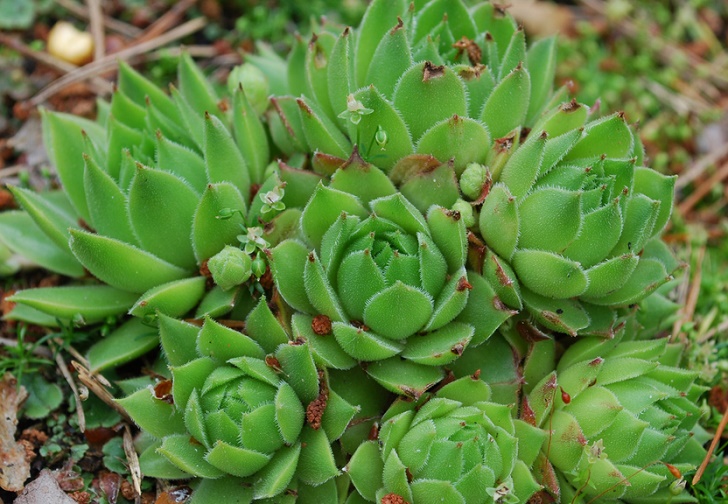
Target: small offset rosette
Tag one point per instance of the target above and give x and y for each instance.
(453, 446)
(247, 411)
(619, 415)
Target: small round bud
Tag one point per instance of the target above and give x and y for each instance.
(230, 267)
(255, 85)
(677, 486)
(466, 212)
(259, 266)
(472, 180)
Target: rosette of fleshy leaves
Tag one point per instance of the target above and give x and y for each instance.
(620, 414)
(453, 446)
(422, 88)
(449, 101)
(151, 190)
(376, 281)
(571, 223)
(249, 414)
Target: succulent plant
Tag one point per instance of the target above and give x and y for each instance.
(619, 414)
(249, 410)
(153, 189)
(572, 226)
(435, 78)
(448, 101)
(450, 446)
(368, 255)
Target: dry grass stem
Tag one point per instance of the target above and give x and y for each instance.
(700, 165)
(63, 368)
(703, 189)
(133, 459)
(110, 61)
(96, 386)
(713, 445)
(81, 12)
(691, 300)
(96, 21)
(166, 21)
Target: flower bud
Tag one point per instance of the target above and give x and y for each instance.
(230, 267)
(259, 266)
(472, 180)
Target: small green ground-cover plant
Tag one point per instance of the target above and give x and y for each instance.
(448, 289)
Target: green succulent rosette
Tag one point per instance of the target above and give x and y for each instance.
(620, 415)
(377, 281)
(250, 411)
(151, 190)
(453, 105)
(422, 89)
(451, 446)
(571, 223)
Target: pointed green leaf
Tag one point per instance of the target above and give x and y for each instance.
(161, 207)
(275, 477)
(319, 290)
(223, 159)
(541, 62)
(380, 16)
(499, 223)
(188, 455)
(122, 265)
(221, 343)
(427, 94)
(21, 235)
(404, 377)
(195, 87)
(325, 206)
(154, 416)
(173, 298)
(458, 138)
(549, 274)
(93, 303)
(507, 105)
(109, 216)
(320, 131)
(382, 319)
(390, 60)
(609, 136)
(125, 343)
(210, 234)
(250, 136)
(550, 219)
(181, 161)
(384, 118)
(287, 262)
(364, 345)
(51, 219)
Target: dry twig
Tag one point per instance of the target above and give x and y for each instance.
(63, 368)
(713, 444)
(166, 21)
(96, 20)
(700, 165)
(97, 386)
(703, 189)
(110, 61)
(112, 24)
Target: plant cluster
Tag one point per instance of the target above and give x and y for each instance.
(447, 289)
